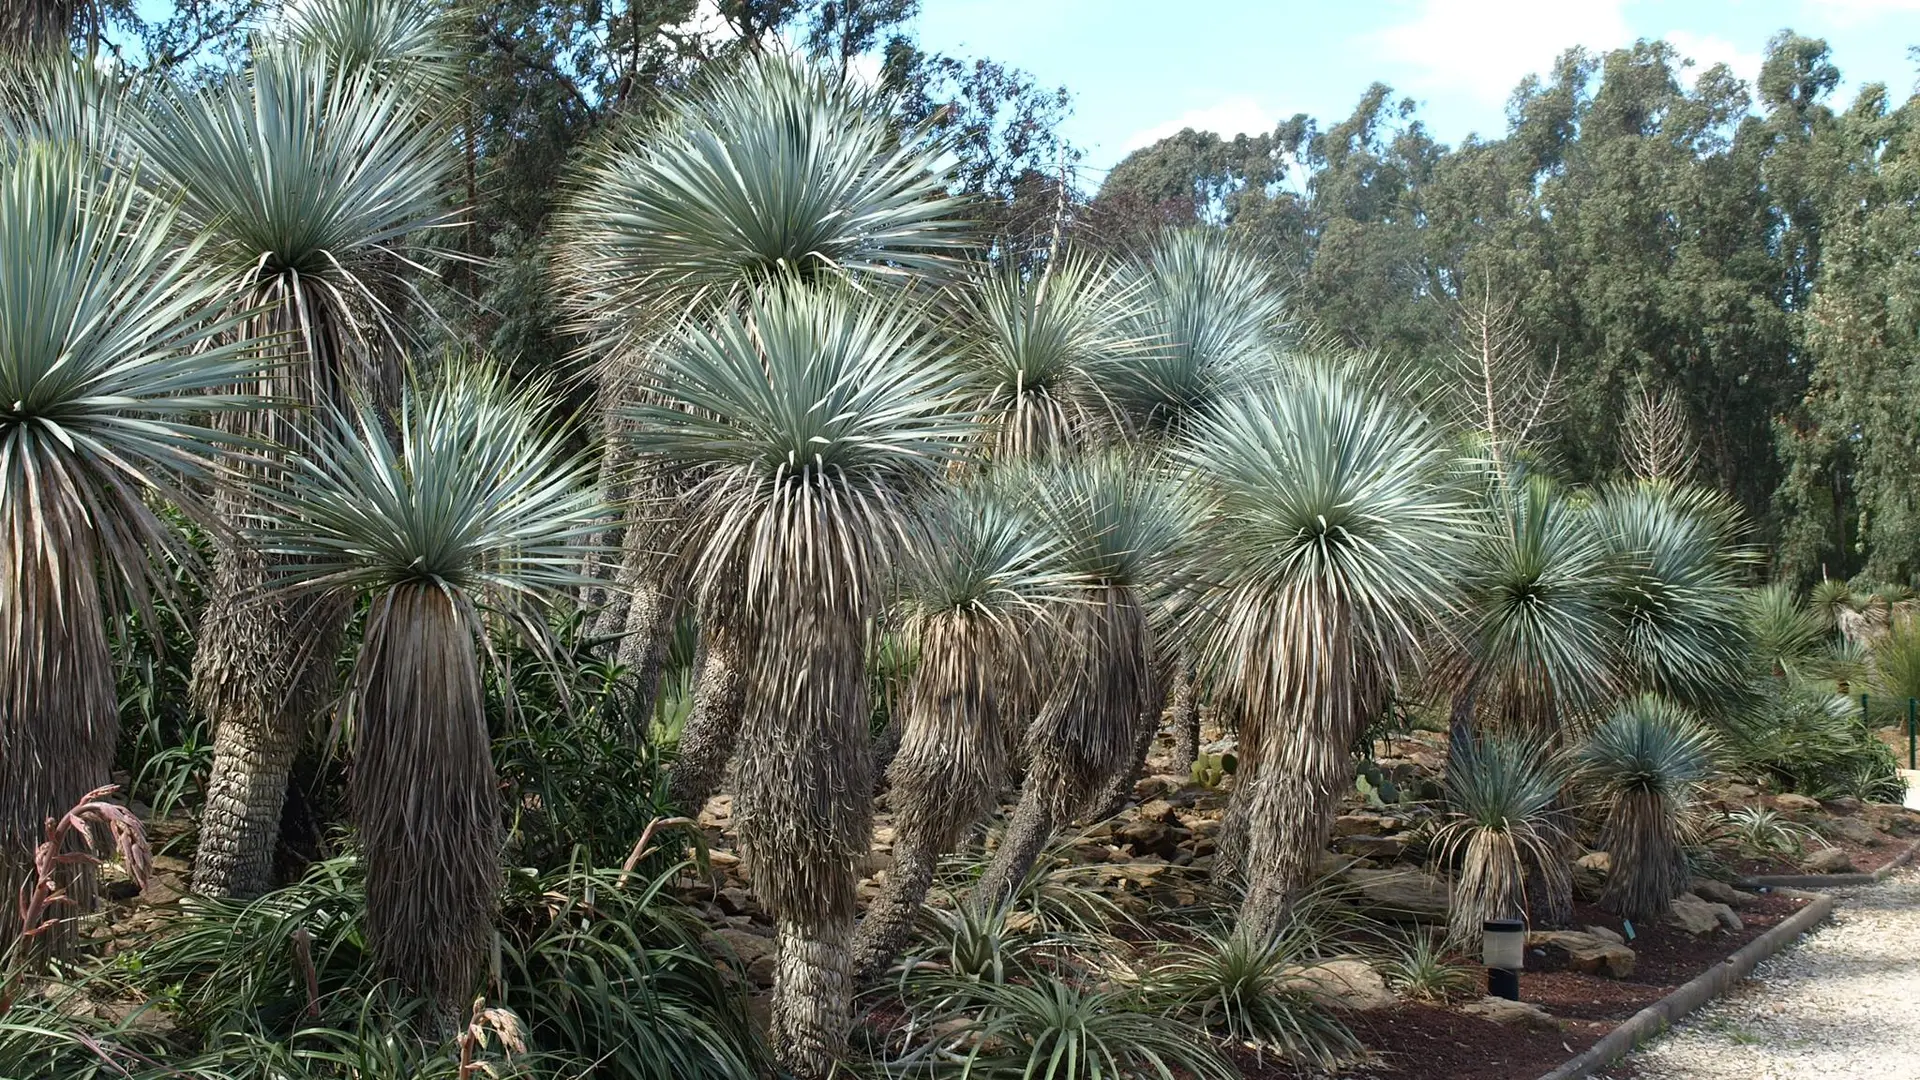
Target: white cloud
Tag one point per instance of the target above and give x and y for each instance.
(1227, 118)
(1706, 50)
(1849, 12)
(1484, 47)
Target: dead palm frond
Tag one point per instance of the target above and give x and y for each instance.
(1329, 549)
(108, 358)
(804, 431)
(467, 505)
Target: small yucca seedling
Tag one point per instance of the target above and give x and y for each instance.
(1648, 762)
(1421, 968)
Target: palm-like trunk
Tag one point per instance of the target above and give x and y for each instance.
(946, 775)
(804, 816)
(719, 701)
(1183, 709)
(263, 673)
(58, 712)
(1083, 738)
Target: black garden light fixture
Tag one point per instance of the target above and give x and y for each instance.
(1503, 948)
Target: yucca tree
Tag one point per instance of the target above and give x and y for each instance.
(1510, 830)
(108, 361)
(410, 41)
(1330, 548)
(978, 600)
(1677, 600)
(1213, 317)
(768, 169)
(1535, 652)
(1037, 346)
(32, 30)
(306, 180)
(468, 513)
(1116, 524)
(1647, 763)
(803, 432)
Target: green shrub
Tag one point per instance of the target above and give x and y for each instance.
(1420, 967)
(1248, 992)
(1815, 744)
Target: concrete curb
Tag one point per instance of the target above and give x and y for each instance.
(1655, 1018)
(1818, 881)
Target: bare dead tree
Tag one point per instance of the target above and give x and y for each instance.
(1656, 439)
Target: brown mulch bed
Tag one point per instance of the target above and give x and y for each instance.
(1426, 1042)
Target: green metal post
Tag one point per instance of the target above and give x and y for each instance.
(1913, 724)
(1863, 711)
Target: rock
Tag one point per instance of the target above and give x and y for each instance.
(1149, 837)
(718, 811)
(1722, 893)
(1364, 824)
(883, 836)
(1405, 895)
(756, 953)
(168, 864)
(1739, 791)
(1604, 934)
(1383, 848)
(1585, 953)
(1852, 830)
(1590, 875)
(1697, 916)
(1796, 804)
(1845, 804)
(1329, 864)
(1348, 984)
(1828, 861)
(722, 859)
(1512, 1013)
(734, 901)
(1154, 787)
(1159, 810)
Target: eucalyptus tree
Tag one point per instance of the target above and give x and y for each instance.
(802, 432)
(112, 357)
(467, 513)
(979, 599)
(766, 170)
(307, 180)
(1117, 524)
(1676, 599)
(1330, 548)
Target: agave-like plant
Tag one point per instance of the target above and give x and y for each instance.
(306, 180)
(1329, 549)
(469, 505)
(805, 431)
(1037, 344)
(1117, 523)
(978, 600)
(1507, 793)
(1647, 763)
(767, 170)
(110, 369)
(1677, 598)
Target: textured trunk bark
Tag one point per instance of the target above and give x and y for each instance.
(884, 930)
(719, 702)
(263, 671)
(1290, 811)
(643, 648)
(1028, 831)
(813, 997)
(1184, 718)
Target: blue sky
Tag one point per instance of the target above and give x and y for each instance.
(1141, 69)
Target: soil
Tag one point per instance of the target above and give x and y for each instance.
(1427, 1042)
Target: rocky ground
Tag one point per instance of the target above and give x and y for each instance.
(1844, 1004)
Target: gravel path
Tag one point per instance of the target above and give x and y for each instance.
(1845, 1003)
